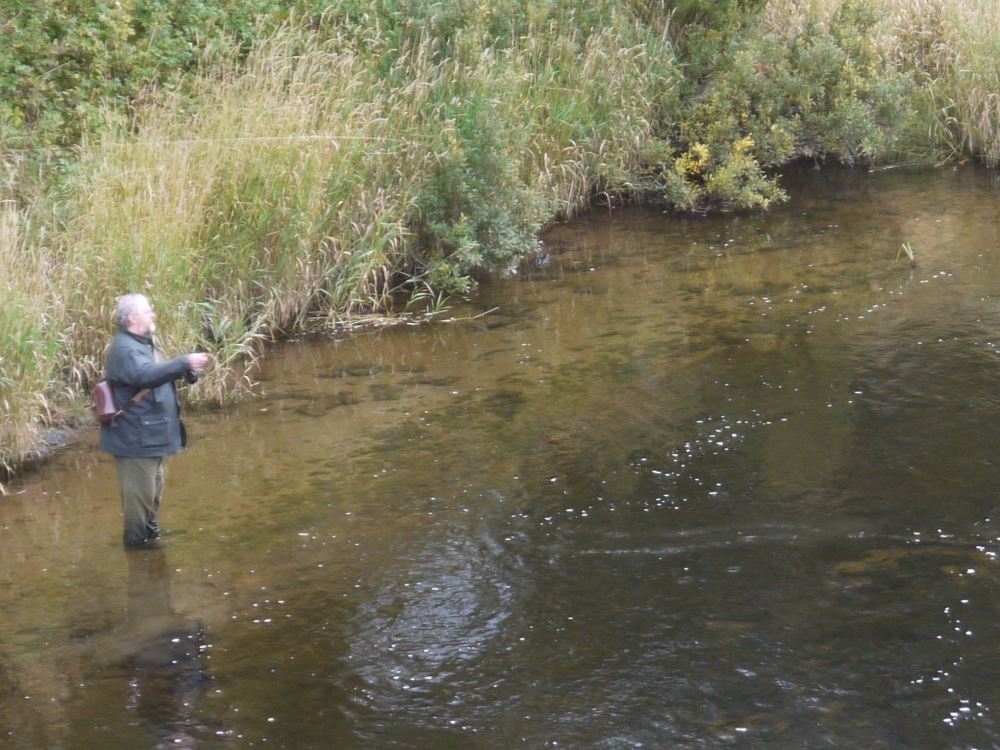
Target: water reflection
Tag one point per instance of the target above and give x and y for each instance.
(163, 655)
(691, 483)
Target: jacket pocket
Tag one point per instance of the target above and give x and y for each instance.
(155, 432)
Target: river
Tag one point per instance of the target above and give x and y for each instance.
(725, 481)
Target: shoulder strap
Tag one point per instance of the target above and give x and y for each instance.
(132, 402)
(142, 393)
(138, 397)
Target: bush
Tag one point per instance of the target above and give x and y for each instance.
(264, 166)
(772, 98)
(65, 64)
(474, 213)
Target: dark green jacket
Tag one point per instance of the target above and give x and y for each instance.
(153, 426)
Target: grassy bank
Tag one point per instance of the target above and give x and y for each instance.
(308, 170)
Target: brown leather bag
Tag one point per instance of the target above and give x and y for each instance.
(102, 403)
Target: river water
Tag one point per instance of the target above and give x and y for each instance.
(692, 483)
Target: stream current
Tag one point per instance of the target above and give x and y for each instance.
(728, 481)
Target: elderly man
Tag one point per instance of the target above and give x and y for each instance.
(150, 427)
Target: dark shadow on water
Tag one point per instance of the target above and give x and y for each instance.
(162, 655)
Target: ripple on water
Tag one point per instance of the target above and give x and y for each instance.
(695, 484)
(433, 615)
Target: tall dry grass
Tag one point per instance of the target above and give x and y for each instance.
(30, 335)
(790, 18)
(243, 210)
(303, 185)
(295, 189)
(953, 48)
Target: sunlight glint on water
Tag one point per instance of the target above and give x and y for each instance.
(694, 483)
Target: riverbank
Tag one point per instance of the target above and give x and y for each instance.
(350, 159)
(73, 421)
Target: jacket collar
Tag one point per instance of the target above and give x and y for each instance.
(147, 340)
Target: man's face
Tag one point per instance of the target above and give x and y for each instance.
(143, 321)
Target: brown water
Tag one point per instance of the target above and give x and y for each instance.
(719, 482)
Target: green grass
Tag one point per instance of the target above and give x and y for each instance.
(305, 176)
(30, 336)
(953, 51)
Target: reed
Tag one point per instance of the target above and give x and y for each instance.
(954, 50)
(354, 157)
(308, 183)
(30, 336)
(948, 49)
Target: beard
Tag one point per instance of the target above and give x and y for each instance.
(146, 331)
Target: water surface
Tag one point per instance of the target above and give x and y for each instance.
(692, 483)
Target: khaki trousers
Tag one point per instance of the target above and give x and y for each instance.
(141, 483)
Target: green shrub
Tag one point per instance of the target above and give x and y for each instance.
(474, 213)
(772, 98)
(265, 166)
(65, 64)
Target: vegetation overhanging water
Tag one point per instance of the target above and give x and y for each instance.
(340, 151)
(696, 483)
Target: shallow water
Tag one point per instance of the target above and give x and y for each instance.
(696, 483)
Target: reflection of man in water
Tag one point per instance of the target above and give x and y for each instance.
(163, 655)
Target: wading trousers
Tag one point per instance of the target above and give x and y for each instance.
(141, 484)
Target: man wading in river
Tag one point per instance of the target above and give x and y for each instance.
(149, 428)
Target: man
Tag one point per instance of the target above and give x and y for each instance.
(150, 428)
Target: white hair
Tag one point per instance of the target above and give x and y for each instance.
(126, 306)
